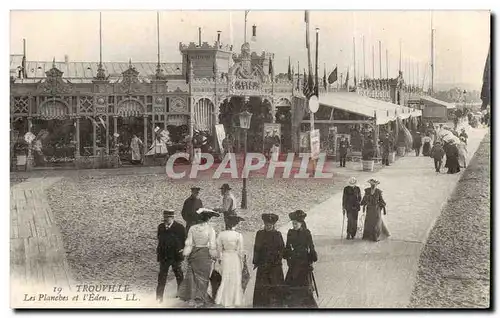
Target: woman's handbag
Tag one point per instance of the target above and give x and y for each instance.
(215, 281)
(245, 274)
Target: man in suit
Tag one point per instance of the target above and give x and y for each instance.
(171, 238)
(343, 147)
(191, 205)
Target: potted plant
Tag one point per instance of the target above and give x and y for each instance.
(367, 156)
(401, 146)
(392, 151)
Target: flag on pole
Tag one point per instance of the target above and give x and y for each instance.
(332, 78)
(187, 69)
(306, 20)
(289, 70)
(271, 69)
(324, 78)
(308, 86)
(486, 88)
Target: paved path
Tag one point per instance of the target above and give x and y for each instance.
(359, 274)
(353, 274)
(36, 249)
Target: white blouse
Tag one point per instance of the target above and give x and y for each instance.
(229, 242)
(200, 235)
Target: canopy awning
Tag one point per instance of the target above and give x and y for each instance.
(384, 112)
(434, 101)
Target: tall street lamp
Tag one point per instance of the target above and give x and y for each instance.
(245, 118)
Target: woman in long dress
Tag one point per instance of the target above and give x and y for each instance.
(462, 152)
(373, 203)
(200, 251)
(426, 149)
(230, 252)
(135, 148)
(267, 258)
(452, 154)
(300, 255)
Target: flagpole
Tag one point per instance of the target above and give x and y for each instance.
(432, 53)
(158, 34)
(400, 44)
(387, 62)
(380, 58)
(373, 61)
(364, 64)
(245, 36)
(354, 49)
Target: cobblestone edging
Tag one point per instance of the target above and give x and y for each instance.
(454, 267)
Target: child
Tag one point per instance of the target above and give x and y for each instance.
(437, 153)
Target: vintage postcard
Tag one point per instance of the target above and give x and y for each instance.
(250, 159)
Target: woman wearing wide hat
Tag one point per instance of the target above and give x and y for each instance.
(351, 200)
(267, 258)
(231, 254)
(200, 250)
(373, 203)
(300, 254)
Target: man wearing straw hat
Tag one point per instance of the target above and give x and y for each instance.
(171, 238)
(228, 202)
(191, 205)
(351, 204)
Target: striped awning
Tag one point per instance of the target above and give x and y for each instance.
(177, 120)
(130, 108)
(53, 110)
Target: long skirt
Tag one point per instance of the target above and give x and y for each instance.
(352, 222)
(195, 284)
(269, 282)
(426, 150)
(452, 164)
(299, 285)
(374, 228)
(230, 293)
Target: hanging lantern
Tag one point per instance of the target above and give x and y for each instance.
(254, 33)
(245, 118)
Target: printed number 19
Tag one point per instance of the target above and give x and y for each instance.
(57, 290)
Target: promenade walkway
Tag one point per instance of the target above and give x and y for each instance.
(350, 274)
(359, 274)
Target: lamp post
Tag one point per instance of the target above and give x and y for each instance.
(245, 118)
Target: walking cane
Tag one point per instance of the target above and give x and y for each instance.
(343, 221)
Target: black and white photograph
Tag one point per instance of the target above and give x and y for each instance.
(250, 159)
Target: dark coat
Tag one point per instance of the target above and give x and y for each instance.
(437, 152)
(387, 144)
(343, 146)
(300, 254)
(170, 242)
(268, 253)
(191, 205)
(351, 198)
(417, 141)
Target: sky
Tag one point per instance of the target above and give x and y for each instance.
(461, 38)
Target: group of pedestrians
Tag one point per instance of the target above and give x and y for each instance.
(216, 270)
(372, 203)
(454, 147)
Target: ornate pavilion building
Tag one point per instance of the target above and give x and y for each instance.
(82, 107)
